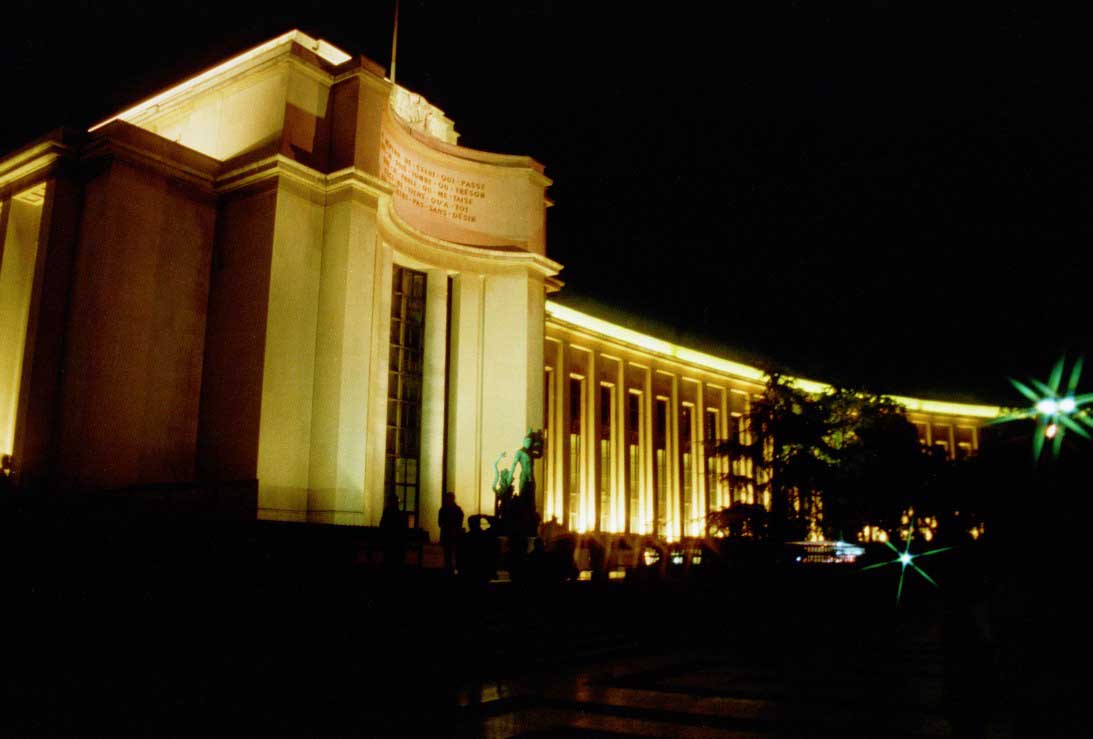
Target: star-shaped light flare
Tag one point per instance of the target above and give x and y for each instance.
(906, 559)
(1055, 412)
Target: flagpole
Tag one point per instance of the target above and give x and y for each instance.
(394, 44)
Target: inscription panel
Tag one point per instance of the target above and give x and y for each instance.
(456, 199)
(443, 194)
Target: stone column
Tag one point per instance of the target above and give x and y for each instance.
(343, 361)
(464, 391)
(434, 402)
(288, 377)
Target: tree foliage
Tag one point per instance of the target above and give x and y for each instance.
(830, 463)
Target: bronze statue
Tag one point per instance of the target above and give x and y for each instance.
(515, 488)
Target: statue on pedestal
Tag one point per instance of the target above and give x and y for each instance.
(515, 488)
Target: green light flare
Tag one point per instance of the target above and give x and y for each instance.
(906, 559)
(1055, 412)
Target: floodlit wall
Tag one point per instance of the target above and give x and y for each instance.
(358, 100)
(240, 116)
(231, 389)
(136, 332)
(288, 377)
(628, 417)
(348, 288)
(272, 98)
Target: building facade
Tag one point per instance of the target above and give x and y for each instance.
(287, 270)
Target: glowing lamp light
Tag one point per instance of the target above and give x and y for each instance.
(1048, 407)
(903, 559)
(1055, 407)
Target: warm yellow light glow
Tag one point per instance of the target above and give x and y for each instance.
(18, 256)
(649, 343)
(873, 533)
(741, 371)
(948, 409)
(321, 48)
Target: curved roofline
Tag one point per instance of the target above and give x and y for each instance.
(739, 370)
(467, 153)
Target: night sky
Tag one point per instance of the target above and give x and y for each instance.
(897, 195)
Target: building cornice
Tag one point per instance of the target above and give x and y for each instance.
(596, 328)
(410, 240)
(272, 52)
(32, 164)
(136, 146)
(268, 168)
(358, 183)
(369, 73)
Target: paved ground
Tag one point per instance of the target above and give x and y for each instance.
(825, 668)
(227, 637)
(893, 690)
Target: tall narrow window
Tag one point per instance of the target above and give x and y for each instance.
(548, 450)
(405, 372)
(713, 479)
(743, 488)
(687, 487)
(736, 462)
(965, 442)
(633, 463)
(576, 404)
(605, 503)
(660, 466)
(943, 436)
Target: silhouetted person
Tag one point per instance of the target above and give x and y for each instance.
(450, 519)
(551, 529)
(478, 555)
(393, 530)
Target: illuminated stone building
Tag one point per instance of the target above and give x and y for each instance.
(287, 270)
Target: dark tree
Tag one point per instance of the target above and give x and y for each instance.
(785, 447)
(879, 468)
(831, 462)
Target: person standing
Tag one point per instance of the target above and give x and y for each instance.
(393, 530)
(450, 519)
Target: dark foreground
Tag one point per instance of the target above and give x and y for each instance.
(190, 629)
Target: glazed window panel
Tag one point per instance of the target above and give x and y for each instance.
(713, 479)
(576, 419)
(965, 440)
(634, 462)
(548, 450)
(605, 502)
(404, 381)
(660, 466)
(687, 482)
(942, 438)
